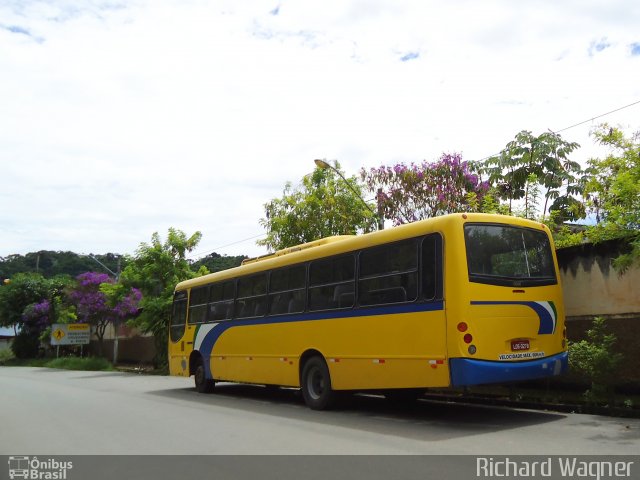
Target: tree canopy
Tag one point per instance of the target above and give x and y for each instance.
(613, 191)
(155, 270)
(533, 162)
(322, 205)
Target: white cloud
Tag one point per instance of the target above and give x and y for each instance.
(119, 120)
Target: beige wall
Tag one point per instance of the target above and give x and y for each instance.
(592, 286)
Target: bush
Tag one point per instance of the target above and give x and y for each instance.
(5, 355)
(25, 345)
(77, 363)
(596, 360)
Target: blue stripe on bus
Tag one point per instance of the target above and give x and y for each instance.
(212, 337)
(467, 371)
(547, 321)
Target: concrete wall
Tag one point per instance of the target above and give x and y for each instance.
(133, 346)
(134, 350)
(593, 288)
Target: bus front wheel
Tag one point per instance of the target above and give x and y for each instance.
(203, 384)
(316, 384)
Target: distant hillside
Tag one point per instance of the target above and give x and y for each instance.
(216, 262)
(50, 264)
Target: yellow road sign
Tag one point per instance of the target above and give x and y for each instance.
(70, 334)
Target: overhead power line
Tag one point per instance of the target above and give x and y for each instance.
(598, 116)
(201, 254)
(578, 124)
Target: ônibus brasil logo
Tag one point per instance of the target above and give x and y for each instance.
(32, 468)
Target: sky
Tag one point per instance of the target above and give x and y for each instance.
(119, 119)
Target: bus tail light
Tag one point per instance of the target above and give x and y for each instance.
(472, 349)
(468, 338)
(462, 327)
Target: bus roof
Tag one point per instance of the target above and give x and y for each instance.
(346, 243)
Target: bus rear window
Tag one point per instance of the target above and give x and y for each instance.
(510, 256)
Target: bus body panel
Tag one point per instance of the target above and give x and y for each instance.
(465, 371)
(413, 353)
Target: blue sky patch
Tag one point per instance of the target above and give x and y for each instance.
(17, 29)
(409, 56)
(635, 49)
(21, 31)
(598, 46)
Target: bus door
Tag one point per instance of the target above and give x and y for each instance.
(178, 349)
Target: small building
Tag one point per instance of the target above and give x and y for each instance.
(6, 337)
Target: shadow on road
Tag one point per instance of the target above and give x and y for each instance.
(425, 420)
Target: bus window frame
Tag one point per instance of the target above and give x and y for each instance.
(507, 281)
(353, 282)
(206, 287)
(222, 283)
(237, 298)
(172, 324)
(304, 289)
(417, 244)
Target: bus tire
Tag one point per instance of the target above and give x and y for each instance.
(315, 383)
(203, 384)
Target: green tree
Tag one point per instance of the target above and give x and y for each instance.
(613, 191)
(155, 270)
(530, 161)
(24, 289)
(321, 206)
(30, 303)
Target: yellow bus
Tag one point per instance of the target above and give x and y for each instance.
(461, 299)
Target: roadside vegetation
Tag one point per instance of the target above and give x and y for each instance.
(66, 363)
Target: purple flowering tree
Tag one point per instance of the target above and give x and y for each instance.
(100, 301)
(407, 193)
(36, 317)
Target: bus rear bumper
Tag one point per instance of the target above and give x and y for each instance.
(466, 371)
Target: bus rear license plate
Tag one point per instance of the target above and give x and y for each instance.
(519, 345)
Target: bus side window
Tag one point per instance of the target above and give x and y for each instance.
(178, 316)
(198, 305)
(286, 290)
(332, 283)
(252, 296)
(221, 301)
(432, 267)
(388, 274)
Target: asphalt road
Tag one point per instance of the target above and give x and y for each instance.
(59, 412)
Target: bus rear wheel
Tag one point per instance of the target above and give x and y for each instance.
(316, 384)
(203, 384)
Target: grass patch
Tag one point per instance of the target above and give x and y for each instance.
(65, 363)
(76, 363)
